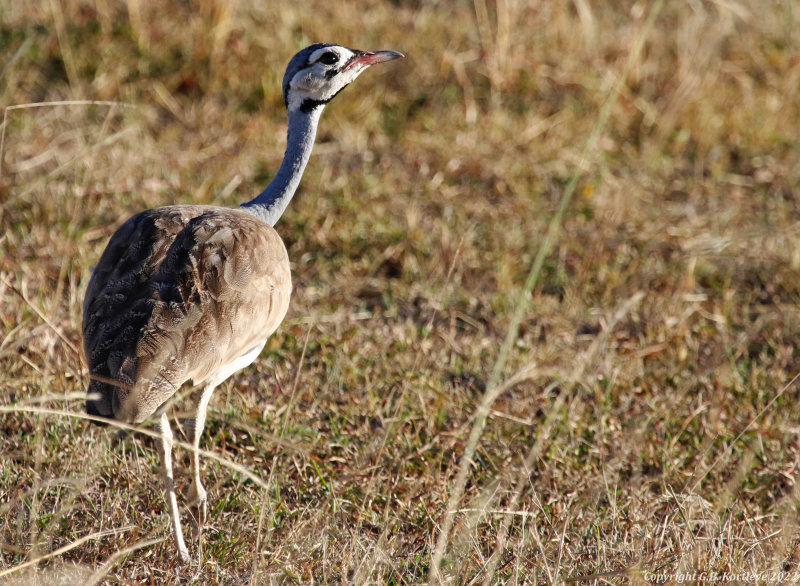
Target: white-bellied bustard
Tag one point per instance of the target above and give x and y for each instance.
(193, 292)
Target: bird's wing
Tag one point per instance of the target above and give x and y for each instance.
(179, 293)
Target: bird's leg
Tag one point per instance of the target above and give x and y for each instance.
(163, 428)
(197, 493)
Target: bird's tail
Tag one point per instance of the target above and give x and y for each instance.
(98, 401)
(100, 398)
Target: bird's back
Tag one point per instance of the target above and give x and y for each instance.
(179, 293)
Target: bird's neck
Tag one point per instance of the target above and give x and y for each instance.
(270, 204)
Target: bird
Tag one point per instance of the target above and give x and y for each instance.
(192, 292)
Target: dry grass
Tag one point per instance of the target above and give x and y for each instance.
(642, 415)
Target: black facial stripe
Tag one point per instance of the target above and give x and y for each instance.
(310, 104)
(331, 72)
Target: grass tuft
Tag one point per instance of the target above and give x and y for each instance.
(546, 291)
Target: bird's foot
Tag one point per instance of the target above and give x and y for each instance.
(198, 499)
(201, 513)
(183, 556)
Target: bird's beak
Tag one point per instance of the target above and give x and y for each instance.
(368, 58)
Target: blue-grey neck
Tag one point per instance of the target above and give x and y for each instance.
(270, 204)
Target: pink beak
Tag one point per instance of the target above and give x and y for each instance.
(368, 58)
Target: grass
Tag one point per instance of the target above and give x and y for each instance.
(545, 315)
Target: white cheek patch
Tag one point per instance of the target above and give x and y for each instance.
(312, 84)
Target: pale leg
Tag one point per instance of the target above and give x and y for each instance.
(162, 427)
(197, 493)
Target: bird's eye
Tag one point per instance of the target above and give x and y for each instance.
(329, 58)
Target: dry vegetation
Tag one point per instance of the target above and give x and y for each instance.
(455, 395)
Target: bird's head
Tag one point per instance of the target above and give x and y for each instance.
(319, 72)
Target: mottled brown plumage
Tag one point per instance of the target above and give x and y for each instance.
(179, 293)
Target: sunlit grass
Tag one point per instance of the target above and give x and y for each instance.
(652, 423)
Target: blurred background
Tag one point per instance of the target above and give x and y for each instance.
(631, 399)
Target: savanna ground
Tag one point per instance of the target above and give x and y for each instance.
(545, 319)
